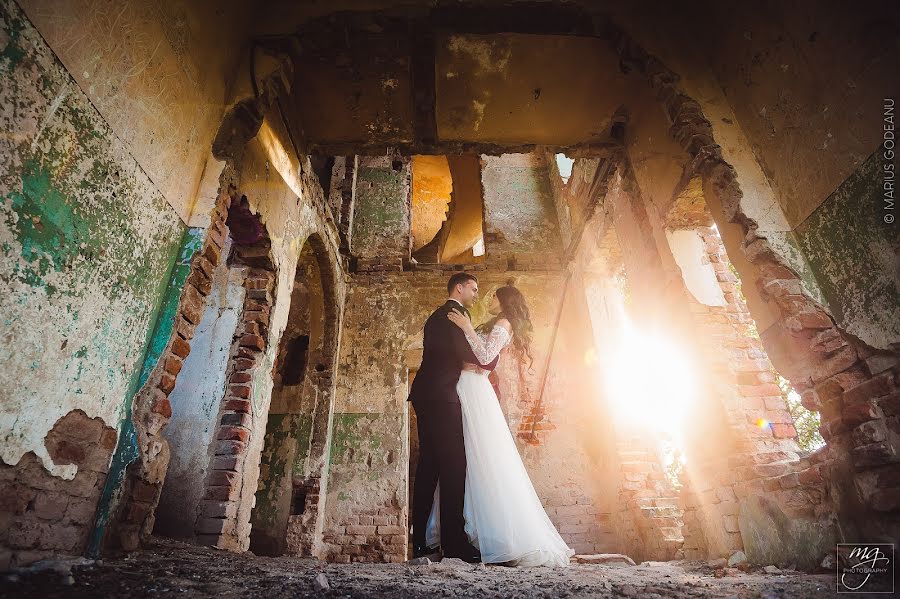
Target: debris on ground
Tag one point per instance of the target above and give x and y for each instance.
(170, 569)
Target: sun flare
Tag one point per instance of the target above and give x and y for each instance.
(648, 381)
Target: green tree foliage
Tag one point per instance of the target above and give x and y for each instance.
(805, 421)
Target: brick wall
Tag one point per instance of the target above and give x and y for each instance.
(42, 515)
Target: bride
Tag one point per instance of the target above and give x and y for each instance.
(504, 517)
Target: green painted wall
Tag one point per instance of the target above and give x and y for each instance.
(853, 256)
(381, 225)
(126, 452)
(87, 249)
(284, 455)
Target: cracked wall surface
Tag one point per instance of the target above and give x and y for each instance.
(83, 229)
(853, 255)
(156, 72)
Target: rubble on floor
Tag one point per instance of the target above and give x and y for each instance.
(172, 569)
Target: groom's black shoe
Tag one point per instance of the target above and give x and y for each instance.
(423, 551)
(467, 554)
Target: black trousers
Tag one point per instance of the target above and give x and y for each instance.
(442, 457)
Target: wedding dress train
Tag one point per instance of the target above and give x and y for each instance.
(504, 516)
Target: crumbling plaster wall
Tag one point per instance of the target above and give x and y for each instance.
(853, 254)
(81, 222)
(156, 72)
(83, 228)
(764, 78)
(289, 432)
(381, 220)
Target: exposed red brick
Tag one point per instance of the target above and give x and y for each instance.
(239, 405)
(869, 432)
(814, 320)
(241, 391)
(211, 253)
(230, 447)
(759, 390)
(143, 491)
(874, 454)
(180, 347)
(222, 478)
(235, 433)
(173, 365)
(260, 316)
(167, 383)
(783, 431)
(810, 476)
(878, 386)
(225, 493)
(247, 352)
(237, 420)
(223, 462)
(244, 364)
(240, 377)
(184, 328)
(66, 451)
(859, 412)
(200, 280)
(192, 304)
(206, 266)
(254, 341)
(163, 407)
(251, 327)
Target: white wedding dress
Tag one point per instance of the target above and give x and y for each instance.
(504, 517)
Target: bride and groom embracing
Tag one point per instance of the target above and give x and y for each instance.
(472, 494)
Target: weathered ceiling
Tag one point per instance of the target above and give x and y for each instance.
(456, 81)
(518, 89)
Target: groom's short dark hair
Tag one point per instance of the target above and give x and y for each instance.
(459, 278)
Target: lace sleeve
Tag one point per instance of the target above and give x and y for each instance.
(488, 348)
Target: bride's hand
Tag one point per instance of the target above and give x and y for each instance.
(460, 320)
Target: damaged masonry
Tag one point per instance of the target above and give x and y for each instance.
(224, 225)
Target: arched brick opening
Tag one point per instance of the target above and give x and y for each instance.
(288, 515)
(134, 500)
(218, 521)
(132, 518)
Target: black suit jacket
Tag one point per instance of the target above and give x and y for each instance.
(444, 350)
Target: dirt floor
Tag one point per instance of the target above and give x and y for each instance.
(171, 569)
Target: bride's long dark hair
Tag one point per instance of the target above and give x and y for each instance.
(514, 309)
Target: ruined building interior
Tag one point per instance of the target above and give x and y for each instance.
(223, 225)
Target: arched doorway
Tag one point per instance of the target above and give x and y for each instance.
(293, 466)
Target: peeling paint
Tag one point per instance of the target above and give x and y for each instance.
(491, 57)
(381, 222)
(853, 256)
(82, 228)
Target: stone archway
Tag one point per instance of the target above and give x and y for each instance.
(287, 517)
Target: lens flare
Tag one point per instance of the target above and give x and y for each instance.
(591, 357)
(649, 381)
(763, 423)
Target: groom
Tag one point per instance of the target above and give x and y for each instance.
(442, 453)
